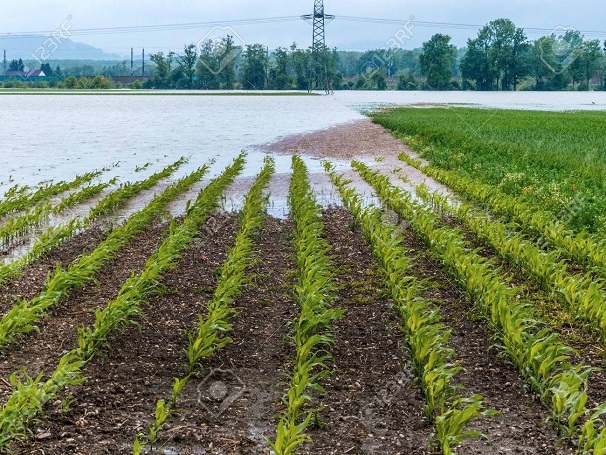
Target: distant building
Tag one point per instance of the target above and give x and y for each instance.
(26, 74)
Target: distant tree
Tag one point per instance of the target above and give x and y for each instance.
(15, 65)
(228, 54)
(279, 78)
(58, 71)
(436, 61)
(70, 82)
(208, 66)
(475, 65)
(497, 58)
(187, 63)
(255, 67)
(47, 69)
(569, 48)
(543, 64)
(379, 80)
(589, 59)
(301, 59)
(162, 70)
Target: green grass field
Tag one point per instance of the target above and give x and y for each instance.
(545, 158)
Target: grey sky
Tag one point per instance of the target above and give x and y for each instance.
(37, 15)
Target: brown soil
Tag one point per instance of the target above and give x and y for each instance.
(371, 403)
(347, 141)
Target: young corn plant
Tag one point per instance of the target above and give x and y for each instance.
(54, 236)
(210, 334)
(26, 200)
(22, 317)
(583, 296)
(425, 335)
(540, 357)
(314, 293)
(20, 225)
(29, 396)
(581, 247)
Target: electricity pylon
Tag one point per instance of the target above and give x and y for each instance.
(318, 77)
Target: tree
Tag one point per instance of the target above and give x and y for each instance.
(497, 57)
(475, 65)
(436, 61)
(228, 54)
(278, 74)
(162, 70)
(16, 65)
(542, 61)
(300, 60)
(187, 63)
(46, 69)
(255, 67)
(589, 59)
(208, 66)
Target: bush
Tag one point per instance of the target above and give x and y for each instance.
(70, 82)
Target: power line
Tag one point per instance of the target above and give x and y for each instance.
(268, 20)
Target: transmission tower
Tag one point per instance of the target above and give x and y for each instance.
(318, 77)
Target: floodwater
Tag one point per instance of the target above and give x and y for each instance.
(55, 137)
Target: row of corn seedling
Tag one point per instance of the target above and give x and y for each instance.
(22, 316)
(130, 189)
(538, 354)
(30, 394)
(580, 247)
(210, 335)
(314, 293)
(426, 336)
(19, 225)
(581, 294)
(55, 235)
(26, 200)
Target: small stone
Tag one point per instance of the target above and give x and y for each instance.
(43, 436)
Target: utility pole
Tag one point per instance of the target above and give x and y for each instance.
(143, 65)
(318, 77)
(4, 62)
(132, 62)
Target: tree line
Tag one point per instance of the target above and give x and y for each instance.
(500, 57)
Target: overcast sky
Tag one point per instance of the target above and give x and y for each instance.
(38, 15)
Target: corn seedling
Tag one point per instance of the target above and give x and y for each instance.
(538, 354)
(210, 333)
(426, 337)
(28, 397)
(56, 235)
(314, 293)
(22, 317)
(581, 294)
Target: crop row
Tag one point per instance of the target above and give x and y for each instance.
(22, 316)
(314, 293)
(426, 336)
(538, 354)
(53, 236)
(581, 294)
(30, 394)
(211, 333)
(21, 224)
(581, 247)
(26, 200)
